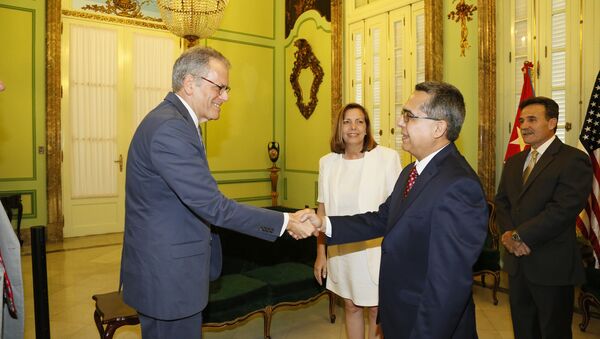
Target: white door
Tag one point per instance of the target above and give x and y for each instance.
(112, 76)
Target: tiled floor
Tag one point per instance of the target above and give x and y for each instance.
(81, 267)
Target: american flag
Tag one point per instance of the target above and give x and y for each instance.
(516, 143)
(587, 222)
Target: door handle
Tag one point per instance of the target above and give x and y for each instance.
(120, 161)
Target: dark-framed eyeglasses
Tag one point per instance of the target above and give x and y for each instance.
(407, 115)
(222, 88)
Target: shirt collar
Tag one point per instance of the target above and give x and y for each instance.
(543, 147)
(190, 111)
(420, 165)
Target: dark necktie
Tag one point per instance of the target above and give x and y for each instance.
(412, 177)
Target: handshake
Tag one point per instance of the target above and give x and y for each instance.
(305, 223)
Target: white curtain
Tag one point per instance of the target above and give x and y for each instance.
(152, 64)
(93, 109)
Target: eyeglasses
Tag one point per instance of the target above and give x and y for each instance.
(407, 115)
(222, 88)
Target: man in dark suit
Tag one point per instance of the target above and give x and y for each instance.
(172, 198)
(433, 225)
(541, 192)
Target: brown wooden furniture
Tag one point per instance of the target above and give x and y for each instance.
(111, 313)
(488, 262)
(258, 277)
(589, 296)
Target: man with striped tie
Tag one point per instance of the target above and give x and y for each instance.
(541, 192)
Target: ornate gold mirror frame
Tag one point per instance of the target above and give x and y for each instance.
(434, 18)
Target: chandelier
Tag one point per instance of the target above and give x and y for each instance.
(192, 19)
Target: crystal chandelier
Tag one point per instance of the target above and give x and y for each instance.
(192, 19)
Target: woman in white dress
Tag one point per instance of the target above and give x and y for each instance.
(355, 178)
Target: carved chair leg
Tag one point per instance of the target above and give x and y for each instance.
(495, 288)
(584, 306)
(267, 317)
(331, 306)
(110, 329)
(98, 322)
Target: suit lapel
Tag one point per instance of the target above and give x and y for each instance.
(544, 161)
(431, 170)
(173, 99)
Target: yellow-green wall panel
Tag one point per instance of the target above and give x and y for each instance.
(463, 73)
(238, 189)
(22, 106)
(300, 190)
(306, 140)
(250, 17)
(238, 140)
(17, 129)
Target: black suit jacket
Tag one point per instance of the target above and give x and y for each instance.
(431, 241)
(543, 211)
(171, 197)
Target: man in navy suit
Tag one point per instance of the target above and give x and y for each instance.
(172, 199)
(433, 225)
(541, 192)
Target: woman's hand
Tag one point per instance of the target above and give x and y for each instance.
(320, 268)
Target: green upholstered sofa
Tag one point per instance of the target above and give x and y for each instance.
(258, 277)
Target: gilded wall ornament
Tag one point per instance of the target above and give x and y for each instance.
(305, 58)
(462, 14)
(126, 8)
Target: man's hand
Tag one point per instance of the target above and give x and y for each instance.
(317, 221)
(300, 228)
(517, 248)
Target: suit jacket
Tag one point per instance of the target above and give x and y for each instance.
(11, 254)
(543, 211)
(379, 175)
(171, 198)
(431, 240)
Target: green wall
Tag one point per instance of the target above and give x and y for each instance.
(306, 140)
(262, 106)
(462, 72)
(22, 106)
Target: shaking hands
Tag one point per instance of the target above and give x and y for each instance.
(305, 223)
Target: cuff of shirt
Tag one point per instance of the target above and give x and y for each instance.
(327, 227)
(286, 219)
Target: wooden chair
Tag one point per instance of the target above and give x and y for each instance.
(590, 290)
(488, 262)
(111, 313)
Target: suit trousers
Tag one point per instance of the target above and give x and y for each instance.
(186, 328)
(540, 311)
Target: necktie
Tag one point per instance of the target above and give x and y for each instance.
(530, 166)
(412, 177)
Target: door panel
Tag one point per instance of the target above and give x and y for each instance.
(109, 84)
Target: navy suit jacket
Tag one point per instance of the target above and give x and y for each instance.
(543, 211)
(171, 199)
(431, 240)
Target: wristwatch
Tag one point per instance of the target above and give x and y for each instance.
(515, 236)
